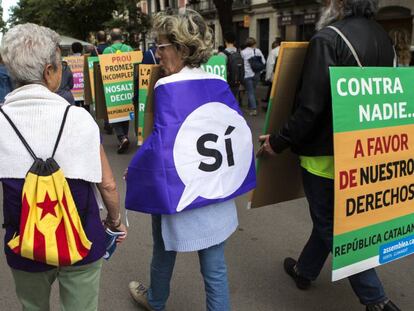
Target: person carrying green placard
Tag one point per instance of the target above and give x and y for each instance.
(117, 43)
(355, 39)
(121, 128)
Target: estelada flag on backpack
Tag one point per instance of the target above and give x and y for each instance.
(50, 227)
(200, 151)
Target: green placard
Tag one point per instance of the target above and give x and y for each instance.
(369, 98)
(373, 111)
(144, 73)
(91, 61)
(216, 65)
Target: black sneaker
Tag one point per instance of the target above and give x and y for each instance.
(123, 146)
(384, 306)
(301, 282)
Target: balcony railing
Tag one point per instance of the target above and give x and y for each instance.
(241, 4)
(202, 5)
(208, 5)
(290, 3)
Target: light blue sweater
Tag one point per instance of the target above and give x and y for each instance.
(199, 228)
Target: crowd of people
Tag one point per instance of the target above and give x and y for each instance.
(183, 42)
(241, 75)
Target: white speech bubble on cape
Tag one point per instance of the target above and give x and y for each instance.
(212, 153)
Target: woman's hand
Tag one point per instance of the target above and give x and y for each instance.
(265, 148)
(116, 226)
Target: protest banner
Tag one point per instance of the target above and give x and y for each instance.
(117, 79)
(76, 64)
(216, 65)
(373, 111)
(279, 178)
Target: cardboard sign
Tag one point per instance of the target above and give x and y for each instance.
(117, 77)
(100, 104)
(146, 82)
(156, 74)
(373, 111)
(279, 178)
(89, 79)
(76, 64)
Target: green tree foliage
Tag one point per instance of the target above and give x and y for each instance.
(129, 17)
(70, 17)
(2, 23)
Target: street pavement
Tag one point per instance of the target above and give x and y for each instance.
(255, 254)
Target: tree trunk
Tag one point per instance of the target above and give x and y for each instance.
(225, 13)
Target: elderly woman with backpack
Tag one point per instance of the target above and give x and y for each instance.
(254, 63)
(51, 161)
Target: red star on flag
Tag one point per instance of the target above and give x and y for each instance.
(47, 206)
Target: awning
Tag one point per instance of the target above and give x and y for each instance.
(67, 41)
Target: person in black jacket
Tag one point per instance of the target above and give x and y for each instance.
(66, 84)
(102, 42)
(309, 133)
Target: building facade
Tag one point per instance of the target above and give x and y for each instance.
(297, 18)
(251, 18)
(291, 20)
(397, 14)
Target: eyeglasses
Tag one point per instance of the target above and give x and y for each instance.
(161, 47)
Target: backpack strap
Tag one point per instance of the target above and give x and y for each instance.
(350, 46)
(19, 134)
(24, 142)
(61, 130)
(395, 61)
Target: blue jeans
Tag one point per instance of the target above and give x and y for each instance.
(320, 195)
(212, 265)
(250, 85)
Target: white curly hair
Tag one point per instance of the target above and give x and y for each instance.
(27, 49)
(187, 31)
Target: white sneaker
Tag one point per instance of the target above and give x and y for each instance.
(138, 292)
(253, 112)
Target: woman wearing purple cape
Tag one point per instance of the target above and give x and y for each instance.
(198, 158)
